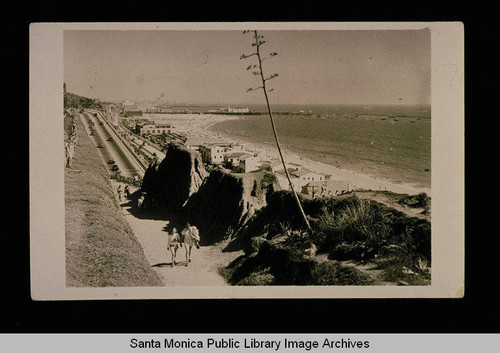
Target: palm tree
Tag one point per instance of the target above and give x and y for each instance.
(258, 41)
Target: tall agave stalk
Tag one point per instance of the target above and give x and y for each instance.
(258, 71)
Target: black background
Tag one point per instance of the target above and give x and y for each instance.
(477, 312)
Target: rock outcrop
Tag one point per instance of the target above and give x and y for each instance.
(220, 207)
(170, 183)
(219, 203)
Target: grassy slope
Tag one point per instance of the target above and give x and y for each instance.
(359, 243)
(101, 249)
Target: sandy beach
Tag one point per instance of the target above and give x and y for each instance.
(196, 126)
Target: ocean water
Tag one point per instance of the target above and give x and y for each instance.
(391, 142)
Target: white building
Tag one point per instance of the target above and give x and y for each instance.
(299, 178)
(154, 129)
(243, 162)
(249, 164)
(232, 159)
(214, 153)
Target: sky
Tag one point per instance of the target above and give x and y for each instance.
(204, 66)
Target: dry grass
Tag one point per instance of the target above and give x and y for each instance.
(101, 249)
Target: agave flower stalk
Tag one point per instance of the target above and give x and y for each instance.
(260, 72)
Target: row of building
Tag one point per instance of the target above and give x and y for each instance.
(231, 155)
(235, 157)
(308, 182)
(130, 108)
(149, 127)
(230, 110)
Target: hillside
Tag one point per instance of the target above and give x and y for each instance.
(360, 238)
(219, 203)
(72, 100)
(353, 241)
(363, 237)
(101, 249)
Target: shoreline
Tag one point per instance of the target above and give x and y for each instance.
(198, 127)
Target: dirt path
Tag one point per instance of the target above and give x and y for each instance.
(205, 262)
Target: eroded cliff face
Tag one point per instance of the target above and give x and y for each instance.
(220, 207)
(170, 183)
(219, 203)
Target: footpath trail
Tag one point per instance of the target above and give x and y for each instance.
(205, 261)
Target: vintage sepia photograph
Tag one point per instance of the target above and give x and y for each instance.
(249, 160)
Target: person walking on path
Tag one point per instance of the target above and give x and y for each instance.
(127, 192)
(119, 192)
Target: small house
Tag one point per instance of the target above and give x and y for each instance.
(213, 153)
(299, 177)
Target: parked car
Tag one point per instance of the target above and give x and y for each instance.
(99, 145)
(115, 168)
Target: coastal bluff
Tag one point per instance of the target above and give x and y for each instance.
(219, 202)
(170, 183)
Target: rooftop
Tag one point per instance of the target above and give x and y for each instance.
(238, 154)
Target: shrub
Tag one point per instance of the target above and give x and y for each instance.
(333, 273)
(421, 200)
(346, 251)
(347, 228)
(412, 237)
(404, 270)
(359, 230)
(267, 180)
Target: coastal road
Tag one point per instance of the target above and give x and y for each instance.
(148, 225)
(114, 149)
